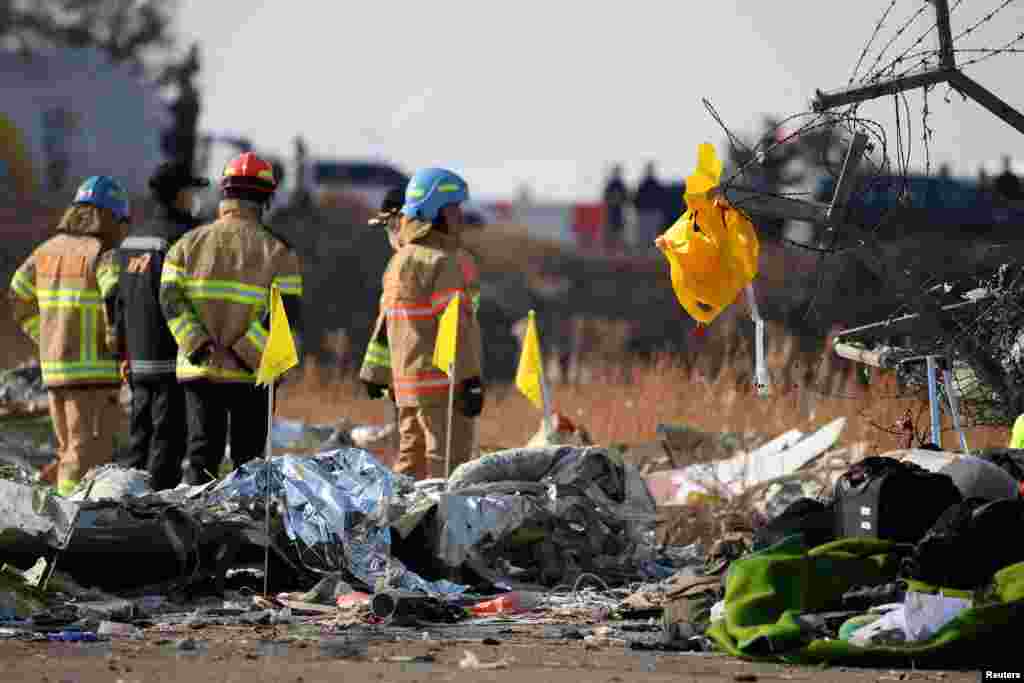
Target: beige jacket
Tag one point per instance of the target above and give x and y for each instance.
(58, 299)
(423, 276)
(215, 288)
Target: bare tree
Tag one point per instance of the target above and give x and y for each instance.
(125, 29)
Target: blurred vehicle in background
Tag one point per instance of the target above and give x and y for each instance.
(335, 183)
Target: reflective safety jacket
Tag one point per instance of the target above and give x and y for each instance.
(376, 366)
(57, 296)
(426, 273)
(215, 288)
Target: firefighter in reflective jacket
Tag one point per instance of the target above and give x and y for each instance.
(58, 299)
(157, 431)
(427, 271)
(215, 294)
(375, 371)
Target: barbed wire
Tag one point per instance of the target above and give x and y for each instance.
(995, 327)
(871, 40)
(984, 20)
(896, 36)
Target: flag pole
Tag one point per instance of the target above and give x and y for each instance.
(545, 393)
(266, 512)
(451, 416)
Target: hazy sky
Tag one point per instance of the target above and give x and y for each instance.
(549, 93)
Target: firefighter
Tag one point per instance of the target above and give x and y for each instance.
(375, 372)
(58, 295)
(425, 274)
(157, 435)
(215, 294)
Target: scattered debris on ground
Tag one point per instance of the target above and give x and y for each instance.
(554, 542)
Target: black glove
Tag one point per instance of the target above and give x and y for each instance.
(201, 355)
(472, 397)
(374, 391)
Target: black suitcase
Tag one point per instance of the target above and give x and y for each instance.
(891, 499)
(810, 518)
(969, 543)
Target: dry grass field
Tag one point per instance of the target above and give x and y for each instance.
(624, 405)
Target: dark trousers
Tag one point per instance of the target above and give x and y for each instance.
(208, 406)
(157, 439)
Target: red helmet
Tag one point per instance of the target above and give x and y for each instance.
(248, 172)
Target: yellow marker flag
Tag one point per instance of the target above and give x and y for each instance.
(528, 376)
(448, 335)
(1017, 436)
(279, 355)
(713, 248)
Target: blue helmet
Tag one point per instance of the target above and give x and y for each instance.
(104, 192)
(430, 190)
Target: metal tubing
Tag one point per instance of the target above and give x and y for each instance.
(954, 405)
(847, 179)
(824, 101)
(933, 401)
(945, 34)
(986, 98)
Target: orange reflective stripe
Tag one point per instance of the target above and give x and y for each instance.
(421, 384)
(423, 310)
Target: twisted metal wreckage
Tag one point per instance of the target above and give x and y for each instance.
(543, 514)
(971, 330)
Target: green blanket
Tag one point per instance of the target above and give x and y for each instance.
(765, 592)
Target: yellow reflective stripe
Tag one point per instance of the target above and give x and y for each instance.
(377, 355)
(171, 273)
(182, 328)
(66, 487)
(68, 298)
(31, 327)
(77, 366)
(224, 290)
(106, 278)
(257, 335)
(84, 324)
(186, 370)
(23, 285)
(416, 192)
(449, 187)
(289, 284)
(78, 371)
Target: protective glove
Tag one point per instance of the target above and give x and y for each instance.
(373, 390)
(472, 397)
(202, 354)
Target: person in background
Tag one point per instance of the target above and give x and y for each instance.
(616, 197)
(58, 298)
(649, 201)
(215, 293)
(1007, 184)
(140, 333)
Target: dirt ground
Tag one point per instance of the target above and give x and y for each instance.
(255, 655)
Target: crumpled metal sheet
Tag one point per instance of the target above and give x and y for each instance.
(336, 508)
(113, 482)
(295, 434)
(592, 510)
(23, 385)
(32, 517)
